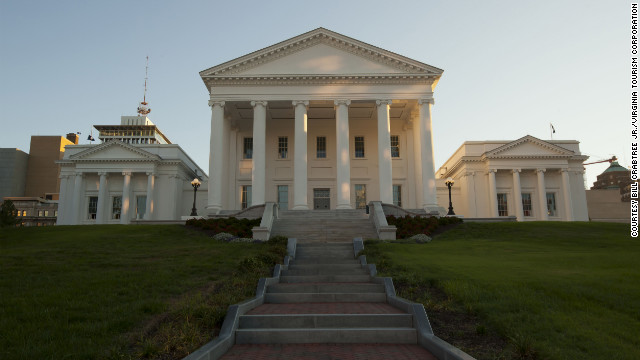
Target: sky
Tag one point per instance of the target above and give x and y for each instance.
(511, 68)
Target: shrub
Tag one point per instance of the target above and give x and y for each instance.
(237, 227)
(407, 226)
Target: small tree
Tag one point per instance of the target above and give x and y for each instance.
(8, 214)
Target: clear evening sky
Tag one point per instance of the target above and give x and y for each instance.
(510, 67)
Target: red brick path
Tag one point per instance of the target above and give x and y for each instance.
(328, 352)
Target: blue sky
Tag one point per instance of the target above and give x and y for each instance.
(511, 67)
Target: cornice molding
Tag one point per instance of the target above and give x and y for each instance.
(305, 79)
(80, 157)
(560, 152)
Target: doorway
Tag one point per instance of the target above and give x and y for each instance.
(321, 199)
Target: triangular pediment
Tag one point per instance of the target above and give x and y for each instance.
(321, 52)
(114, 151)
(529, 146)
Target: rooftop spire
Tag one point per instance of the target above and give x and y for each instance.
(143, 109)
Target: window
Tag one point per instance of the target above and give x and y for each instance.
(93, 207)
(321, 147)
(248, 148)
(55, 213)
(283, 197)
(116, 208)
(397, 195)
(395, 146)
(361, 196)
(141, 206)
(39, 212)
(283, 147)
(245, 196)
(503, 209)
(359, 146)
(551, 204)
(46, 213)
(526, 204)
(19, 213)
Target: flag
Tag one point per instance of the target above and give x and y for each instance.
(552, 128)
(91, 138)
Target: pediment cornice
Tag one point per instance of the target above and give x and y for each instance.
(554, 151)
(230, 71)
(84, 155)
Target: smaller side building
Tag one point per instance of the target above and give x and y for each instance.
(528, 178)
(43, 173)
(606, 198)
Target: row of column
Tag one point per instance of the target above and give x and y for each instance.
(72, 207)
(423, 142)
(542, 194)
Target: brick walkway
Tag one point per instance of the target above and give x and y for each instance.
(328, 352)
(325, 308)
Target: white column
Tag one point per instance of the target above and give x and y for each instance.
(174, 197)
(151, 182)
(258, 173)
(417, 160)
(343, 168)
(517, 194)
(216, 157)
(300, 201)
(77, 199)
(384, 152)
(62, 201)
(493, 193)
(542, 195)
(126, 198)
(566, 192)
(102, 198)
(429, 198)
(469, 178)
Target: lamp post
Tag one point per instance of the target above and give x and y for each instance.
(196, 184)
(449, 184)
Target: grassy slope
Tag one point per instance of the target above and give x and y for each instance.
(568, 290)
(73, 291)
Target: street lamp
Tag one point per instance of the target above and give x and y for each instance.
(196, 184)
(449, 184)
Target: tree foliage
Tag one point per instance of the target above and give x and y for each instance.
(8, 214)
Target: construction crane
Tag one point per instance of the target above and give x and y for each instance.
(614, 158)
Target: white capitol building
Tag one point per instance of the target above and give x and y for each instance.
(321, 121)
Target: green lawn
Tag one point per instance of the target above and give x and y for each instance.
(556, 290)
(80, 292)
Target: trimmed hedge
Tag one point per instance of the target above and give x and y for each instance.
(238, 227)
(407, 226)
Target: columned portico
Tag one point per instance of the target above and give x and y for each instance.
(216, 157)
(566, 192)
(102, 195)
(542, 195)
(151, 182)
(493, 196)
(259, 147)
(300, 156)
(429, 200)
(517, 194)
(126, 197)
(343, 166)
(384, 152)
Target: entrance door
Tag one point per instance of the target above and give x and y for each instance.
(321, 199)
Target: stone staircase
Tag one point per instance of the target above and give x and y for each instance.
(326, 297)
(324, 225)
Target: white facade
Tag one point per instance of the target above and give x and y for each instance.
(528, 178)
(331, 122)
(115, 183)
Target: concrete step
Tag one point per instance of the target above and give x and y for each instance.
(401, 335)
(315, 260)
(323, 214)
(326, 288)
(304, 256)
(326, 321)
(288, 298)
(324, 278)
(303, 266)
(324, 271)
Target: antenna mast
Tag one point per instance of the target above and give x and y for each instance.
(143, 109)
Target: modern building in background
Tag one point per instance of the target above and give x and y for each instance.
(609, 197)
(132, 130)
(43, 174)
(13, 172)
